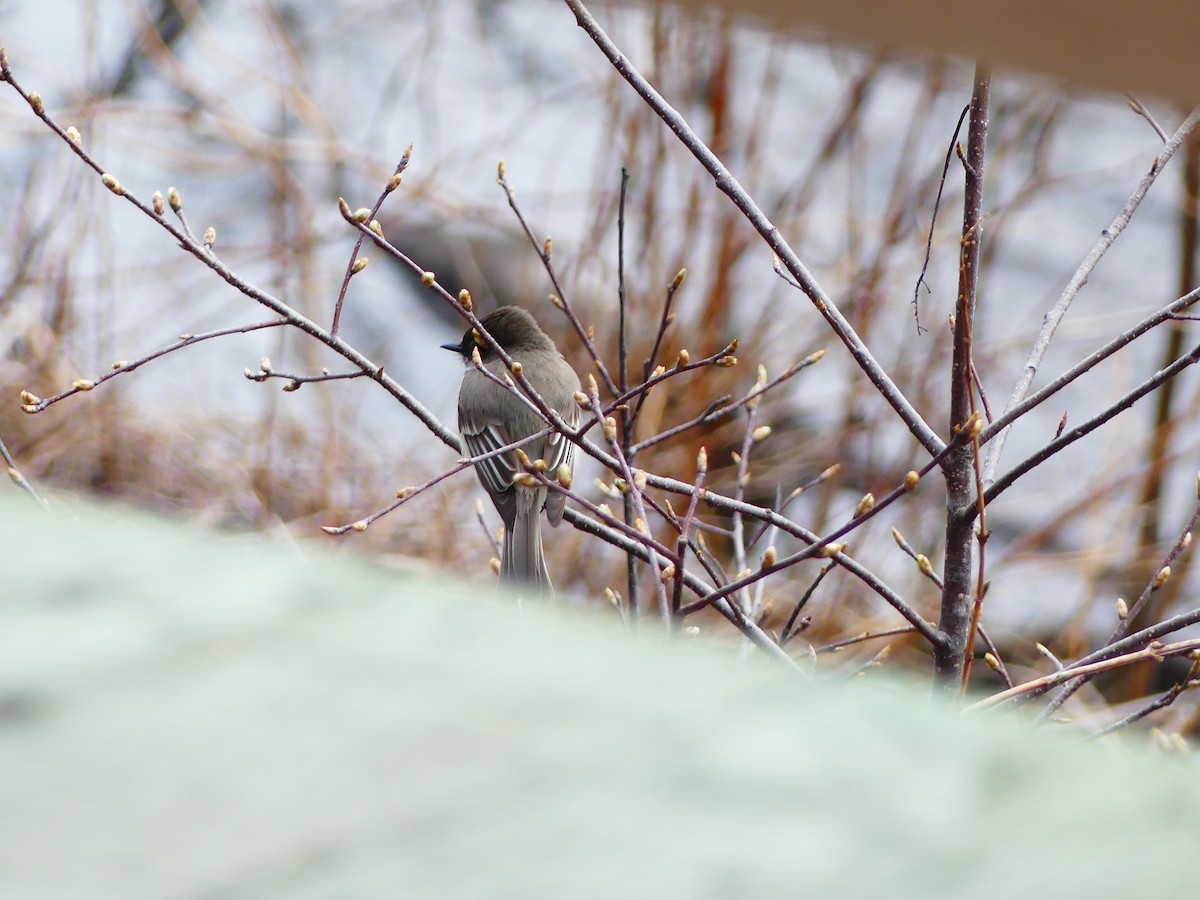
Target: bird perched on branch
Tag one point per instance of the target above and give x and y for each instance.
(492, 415)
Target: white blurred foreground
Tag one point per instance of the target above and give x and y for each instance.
(184, 715)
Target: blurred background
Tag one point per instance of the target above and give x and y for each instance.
(263, 114)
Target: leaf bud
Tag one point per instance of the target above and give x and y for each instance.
(610, 429)
(865, 505)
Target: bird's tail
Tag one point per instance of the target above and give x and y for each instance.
(523, 564)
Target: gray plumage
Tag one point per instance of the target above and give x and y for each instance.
(489, 416)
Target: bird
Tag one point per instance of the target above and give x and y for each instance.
(491, 416)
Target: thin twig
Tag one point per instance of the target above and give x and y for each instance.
(1167, 313)
(1052, 318)
(203, 252)
(730, 186)
(664, 322)
(1155, 652)
(19, 480)
(1128, 644)
(790, 629)
(353, 267)
(1156, 581)
(1161, 702)
(749, 628)
(544, 253)
(124, 367)
(722, 407)
(685, 527)
(937, 203)
(1136, 105)
(294, 381)
(1007, 480)
(864, 636)
(486, 530)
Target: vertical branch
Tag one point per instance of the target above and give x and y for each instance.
(958, 466)
(627, 420)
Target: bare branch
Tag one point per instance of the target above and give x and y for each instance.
(730, 186)
(1052, 318)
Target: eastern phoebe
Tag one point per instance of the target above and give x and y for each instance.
(489, 416)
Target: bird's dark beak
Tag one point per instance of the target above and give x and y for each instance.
(454, 348)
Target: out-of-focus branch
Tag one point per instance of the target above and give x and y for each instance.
(733, 189)
(203, 251)
(1052, 319)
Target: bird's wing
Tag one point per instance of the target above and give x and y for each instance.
(560, 452)
(496, 472)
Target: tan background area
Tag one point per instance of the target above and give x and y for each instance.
(1150, 47)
